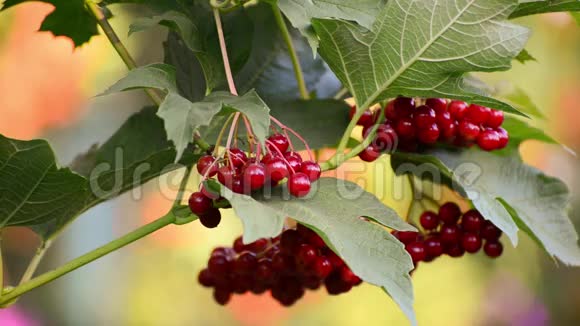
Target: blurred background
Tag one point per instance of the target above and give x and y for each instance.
(47, 91)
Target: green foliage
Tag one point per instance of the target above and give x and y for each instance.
(525, 56)
(527, 7)
(333, 209)
(423, 49)
(70, 18)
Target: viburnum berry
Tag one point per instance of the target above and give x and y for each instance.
(280, 141)
(472, 221)
(299, 184)
(255, 175)
(493, 249)
(369, 154)
(449, 213)
(437, 104)
(276, 169)
(477, 114)
(429, 134)
(489, 140)
(199, 203)
(211, 218)
(429, 220)
(468, 130)
(471, 242)
(495, 119)
(206, 165)
(424, 117)
(366, 118)
(311, 169)
(404, 107)
(457, 109)
(417, 251)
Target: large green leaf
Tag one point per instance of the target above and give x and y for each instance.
(519, 99)
(35, 192)
(176, 21)
(333, 209)
(301, 12)
(521, 131)
(527, 7)
(70, 18)
(509, 192)
(423, 48)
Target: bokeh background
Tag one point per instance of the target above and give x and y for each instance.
(47, 91)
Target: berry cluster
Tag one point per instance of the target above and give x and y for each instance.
(409, 126)
(243, 174)
(449, 232)
(286, 265)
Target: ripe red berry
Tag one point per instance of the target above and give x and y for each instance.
(294, 161)
(448, 131)
(424, 117)
(365, 119)
(385, 139)
(457, 109)
(255, 175)
(471, 242)
(434, 247)
(238, 157)
(264, 270)
(311, 169)
(347, 276)
(417, 251)
(203, 166)
(205, 278)
(495, 119)
(450, 234)
(280, 141)
(307, 254)
(369, 154)
(276, 169)
(454, 250)
(222, 295)
(468, 130)
(290, 241)
(503, 137)
(493, 249)
(404, 107)
(437, 104)
(477, 114)
(226, 176)
(299, 184)
(488, 140)
(390, 112)
(246, 262)
(322, 267)
(490, 232)
(472, 221)
(429, 134)
(429, 220)
(199, 204)
(449, 213)
(405, 128)
(406, 237)
(211, 218)
(219, 265)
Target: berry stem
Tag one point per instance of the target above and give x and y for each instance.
(224, 50)
(182, 186)
(292, 51)
(35, 261)
(286, 128)
(81, 261)
(221, 135)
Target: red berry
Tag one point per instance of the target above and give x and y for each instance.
(417, 251)
(472, 221)
(490, 232)
(264, 270)
(211, 218)
(405, 128)
(259, 245)
(280, 141)
(457, 109)
(493, 249)
(276, 169)
(238, 157)
(365, 119)
(429, 220)
(322, 267)
(246, 262)
(471, 242)
(299, 184)
(444, 119)
(404, 107)
(226, 176)
(290, 241)
(437, 104)
(454, 250)
(406, 237)
(385, 139)
(390, 112)
(238, 185)
(294, 161)
(503, 137)
(205, 278)
(448, 131)
(266, 158)
(311, 169)
(468, 130)
(450, 234)
(449, 213)
(495, 119)
(434, 247)
(477, 114)
(424, 117)
(429, 135)
(369, 154)
(222, 295)
(219, 265)
(199, 203)
(307, 254)
(255, 175)
(347, 276)
(239, 245)
(203, 166)
(489, 140)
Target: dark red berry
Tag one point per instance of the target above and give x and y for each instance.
(472, 221)
(199, 204)
(437, 104)
(311, 169)
(299, 184)
(390, 112)
(490, 232)
(294, 161)
(246, 262)
(219, 265)
(222, 296)
(433, 247)
(322, 267)
(205, 278)
(239, 245)
(489, 140)
(290, 241)
(477, 114)
(280, 141)
(406, 237)
(365, 119)
(264, 270)
(347, 276)
(448, 131)
(226, 176)
(468, 130)
(238, 185)
(369, 154)
(238, 157)
(424, 117)
(503, 137)
(471, 242)
(255, 175)
(307, 254)
(493, 249)
(457, 109)
(404, 107)
(405, 128)
(276, 169)
(385, 139)
(450, 234)
(429, 220)
(495, 119)
(206, 165)
(417, 251)
(454, 250)
(259, 245)
(429, 134)
(211, 218)
(449, 213)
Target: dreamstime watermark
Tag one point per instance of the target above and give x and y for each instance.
(352, 180)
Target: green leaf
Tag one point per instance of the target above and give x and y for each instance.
(519, 99)
(423, 48)
(333, 209)
(527, 7)
(301, 12)
(33, 188)
(525, 56)
(70, 18)
(176, 21)
(508, 192)
(35, 192)
(520, 131)
(156, 75)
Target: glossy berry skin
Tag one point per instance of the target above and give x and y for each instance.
(437, 104)
(280, 141)
(449, 213)
(238, 157)
(490, 232)
(226, 175)
(477, 114)
(404, 107)
(211, 218)
(255, 176)
(276, 169)
(206, 165)
(322, 267)
(495, 119)
(503, 137)
(299, 184)
(405, 128)
(385, 139)
(448, 131)
(489, 140)
(472, 221)
(429, 134)
(219, 265)
(246, 262)
(205, 278)
(457, 109)
(294, 161)
(493, 249)
(366, 118)
(369, 154)
(311, 169)
(454, 250)
(433, 247)
(417, 251)
(390, 112)
(471, 242)
(307, 254)
(468, 130)
(429, 220)
(406, 237)
(450, 234)
(424, 116)
(199, 204)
